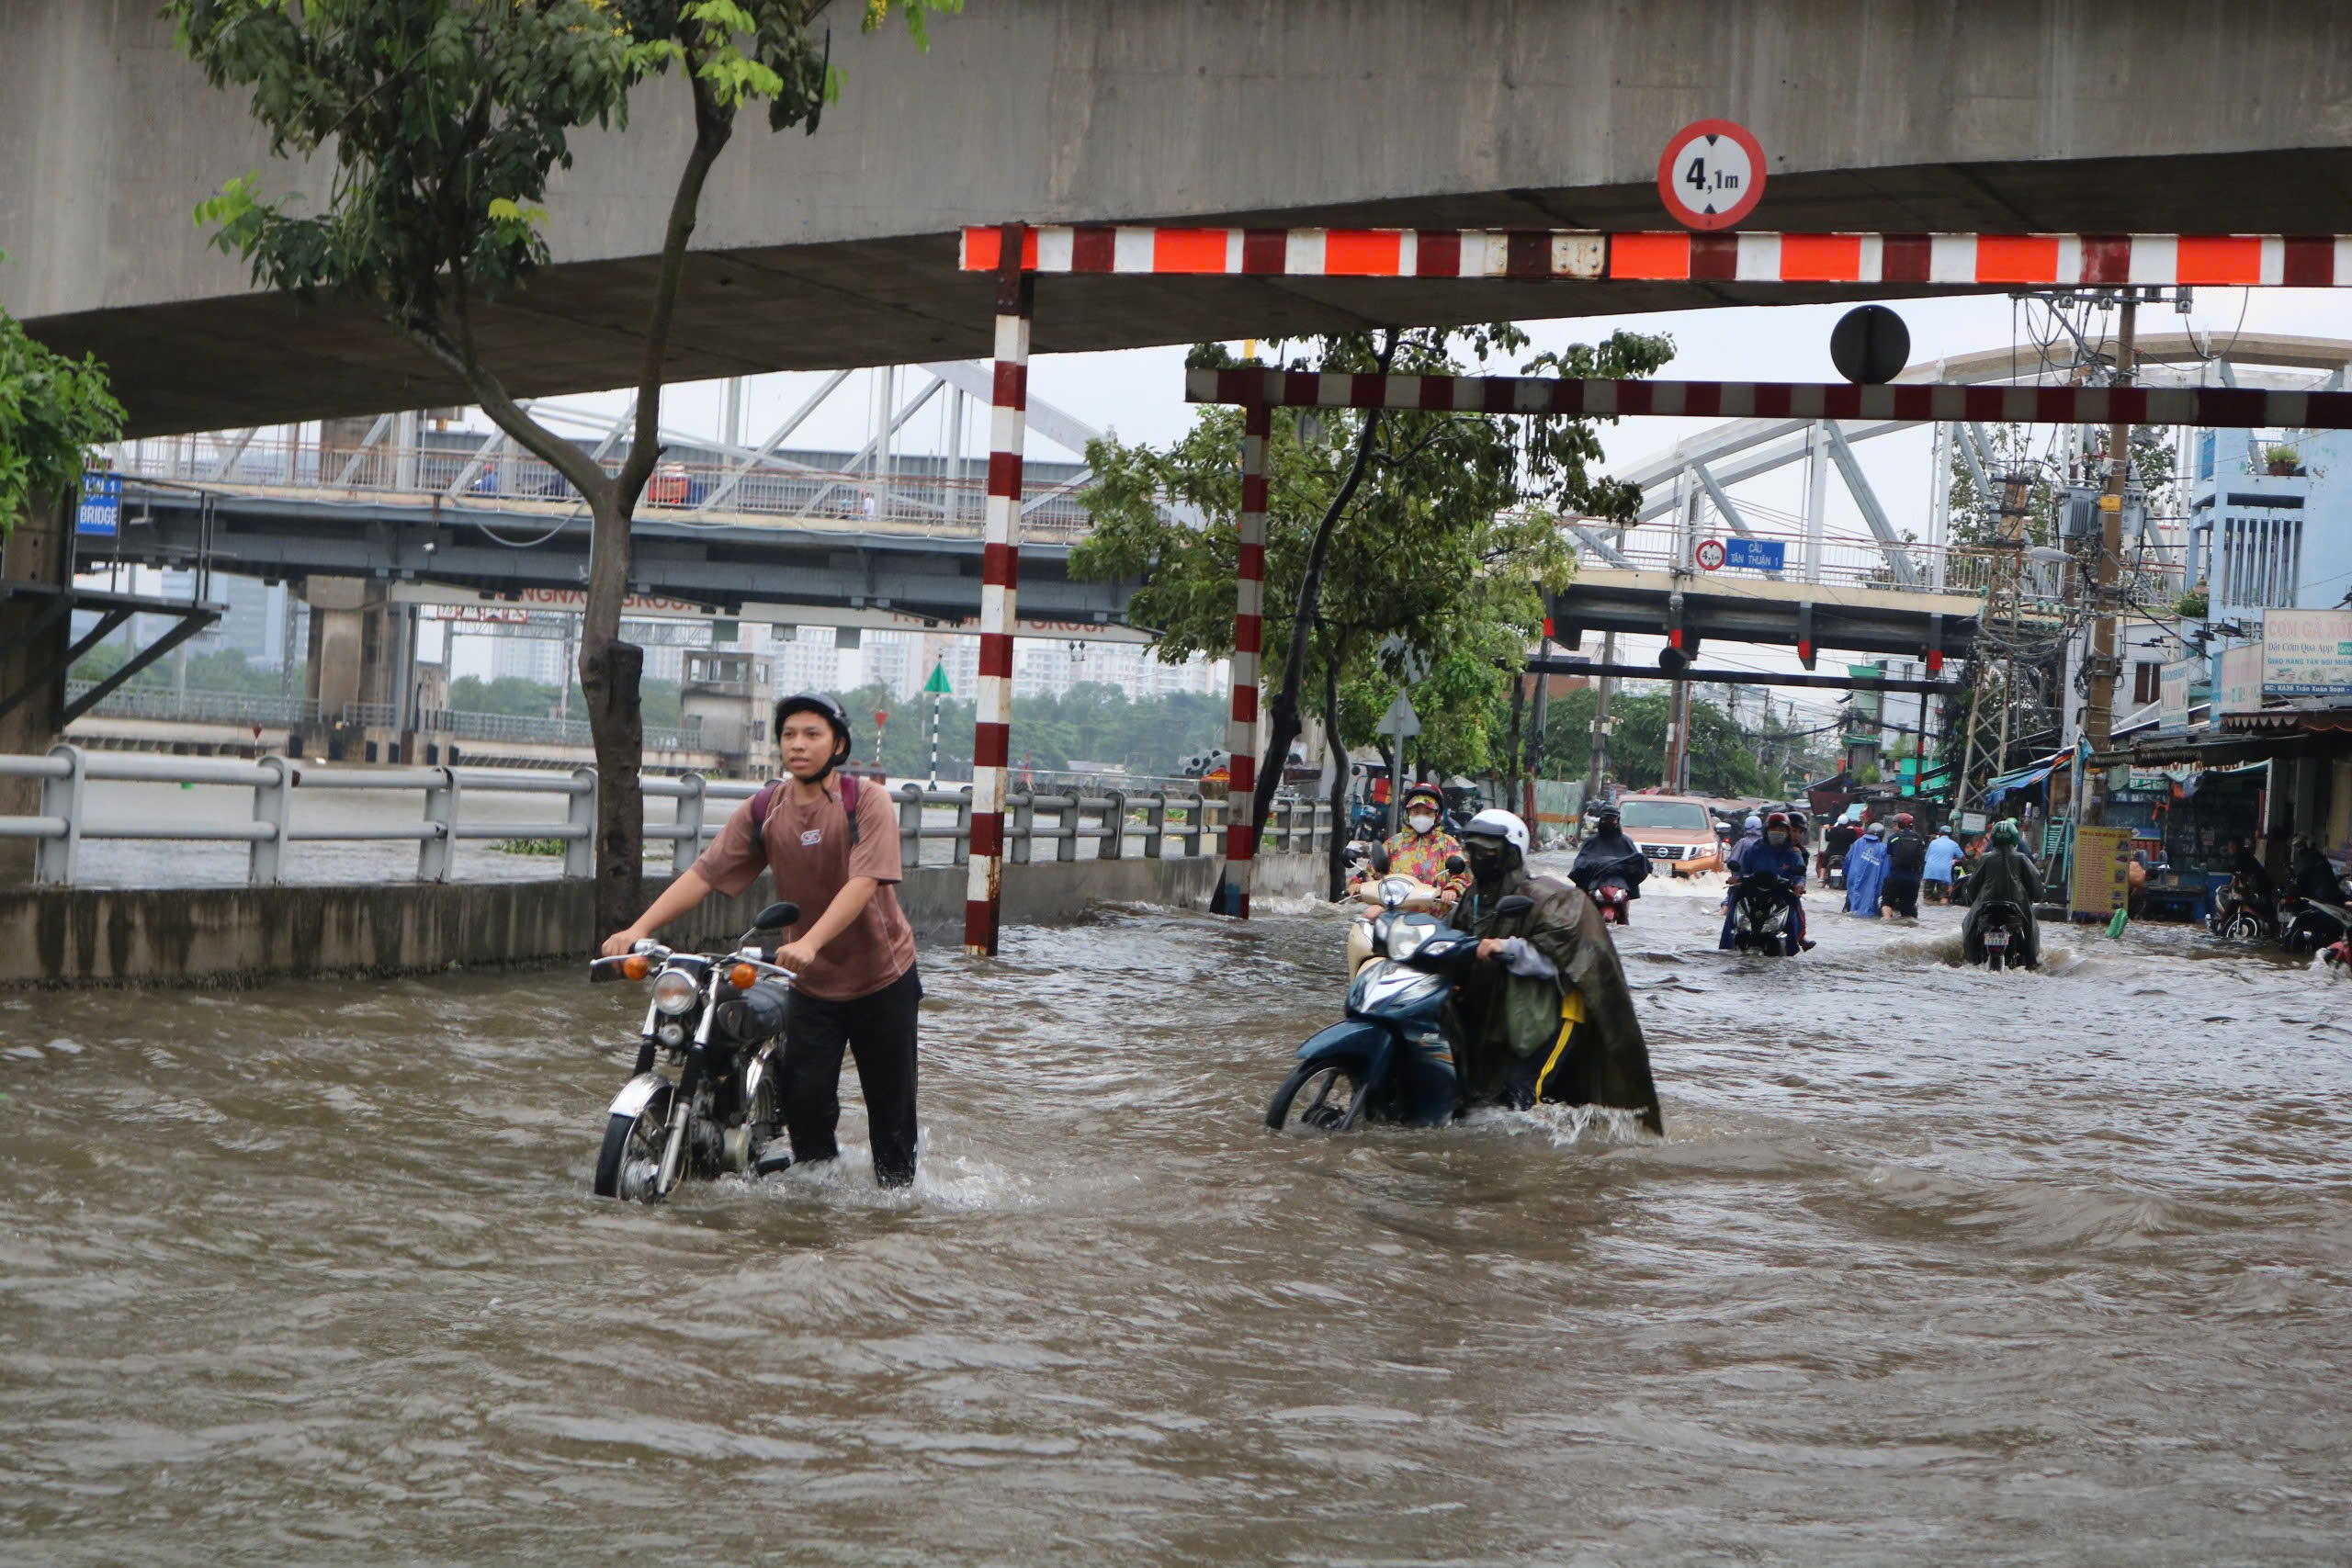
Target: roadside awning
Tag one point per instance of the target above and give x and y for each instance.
(2024, 778)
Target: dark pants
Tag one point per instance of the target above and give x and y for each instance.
(1901, 895)
(879, 1031)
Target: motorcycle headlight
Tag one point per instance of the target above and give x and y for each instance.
(1407, 935)
(675, 992)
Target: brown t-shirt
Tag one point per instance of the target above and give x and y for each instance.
(808, 848)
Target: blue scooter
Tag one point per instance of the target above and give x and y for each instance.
(1394, 1059)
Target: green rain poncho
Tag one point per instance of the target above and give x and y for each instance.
(1510, 1016)
(2005, 876)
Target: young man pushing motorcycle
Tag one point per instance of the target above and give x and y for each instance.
(1546, 1012)
(834, 850)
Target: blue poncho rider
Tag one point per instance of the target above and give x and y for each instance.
(1774, 854)
(1421, 847)
(1609, 853)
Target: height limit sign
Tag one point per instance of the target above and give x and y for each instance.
(1711, 174)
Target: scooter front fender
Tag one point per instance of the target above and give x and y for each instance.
(638, 1093)
(1355, 1037)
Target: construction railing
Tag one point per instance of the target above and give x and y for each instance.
(1153, 825)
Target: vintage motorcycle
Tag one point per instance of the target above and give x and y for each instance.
(716, 1022)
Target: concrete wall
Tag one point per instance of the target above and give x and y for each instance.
(2008, 115)
(230, 936)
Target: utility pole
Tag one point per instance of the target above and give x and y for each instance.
(1600, 722)
(2098, 718)
(1678, 737)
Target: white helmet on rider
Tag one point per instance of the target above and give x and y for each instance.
(1495, 823)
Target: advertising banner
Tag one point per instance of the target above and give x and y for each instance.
(2307, 653)
(2102, 869)
(2172, 696)
(2241, 688)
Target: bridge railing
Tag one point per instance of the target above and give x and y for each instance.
(199, 707)
(509, 479)
(1039, 826)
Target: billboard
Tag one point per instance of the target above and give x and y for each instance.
(2241, 687)
(2102, 878)
(2171, 695)
(2307, 653)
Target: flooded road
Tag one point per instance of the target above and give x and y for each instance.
(312, 1275)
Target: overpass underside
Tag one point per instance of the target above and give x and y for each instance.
(1903, 116)
(256, 359)
(1931, 627)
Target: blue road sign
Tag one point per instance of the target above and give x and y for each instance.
(100, 513)
(1762, 555)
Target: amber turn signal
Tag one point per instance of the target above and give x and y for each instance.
(743, 976)
(636, 966)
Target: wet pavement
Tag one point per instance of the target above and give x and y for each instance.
(1932, 1266)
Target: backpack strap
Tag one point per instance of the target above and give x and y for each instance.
(766, 798)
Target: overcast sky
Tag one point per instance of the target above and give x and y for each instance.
(1138, 394)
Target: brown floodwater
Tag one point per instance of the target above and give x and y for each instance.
(1932, 1266)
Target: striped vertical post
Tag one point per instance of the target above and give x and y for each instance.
(1000, 577)
(1249, 636)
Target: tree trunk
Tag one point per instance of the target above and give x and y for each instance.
(1285, 724)
(1393, 758)
(1336, 858)
(39, 550)
(610, 675)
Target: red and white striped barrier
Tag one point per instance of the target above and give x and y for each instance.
(2293, 261)
(2223, 407)
(1248, 646)
(999, 579)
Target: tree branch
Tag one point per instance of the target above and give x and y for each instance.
(586, 477)
(713, 126)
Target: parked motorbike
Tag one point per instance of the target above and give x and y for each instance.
(716, 1021)
(2309, 925)
(2238, 911)
(1832, 875)
(1394, 1057)
(2003, 928)
(1760, 913)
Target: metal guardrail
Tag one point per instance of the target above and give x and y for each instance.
(198, 707)
(1153, 825)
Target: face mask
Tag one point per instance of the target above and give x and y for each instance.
(1485, 864)
(1778, 838)
(1422, 821)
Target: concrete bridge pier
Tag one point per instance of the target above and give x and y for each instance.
(360, 668)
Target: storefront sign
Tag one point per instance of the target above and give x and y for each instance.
(2307, 653)
(2241, 688)
(2171, 695)
(2102, 869)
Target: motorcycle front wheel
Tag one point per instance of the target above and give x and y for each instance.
(2243, 928)
(1329, 1097)
(630, 1165)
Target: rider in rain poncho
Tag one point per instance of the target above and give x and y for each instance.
(1547, 1014)
(1608, 852)
(1866, 872)
(1775, 854)
(2003, 876)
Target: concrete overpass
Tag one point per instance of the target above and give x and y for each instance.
(1902, 115)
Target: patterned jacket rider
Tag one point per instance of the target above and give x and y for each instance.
(1421, 853)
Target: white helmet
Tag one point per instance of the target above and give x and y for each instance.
(1495, 823)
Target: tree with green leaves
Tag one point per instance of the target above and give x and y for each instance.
(444, 119)
(1434, 529)
(1724, 759)
(53, 411)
